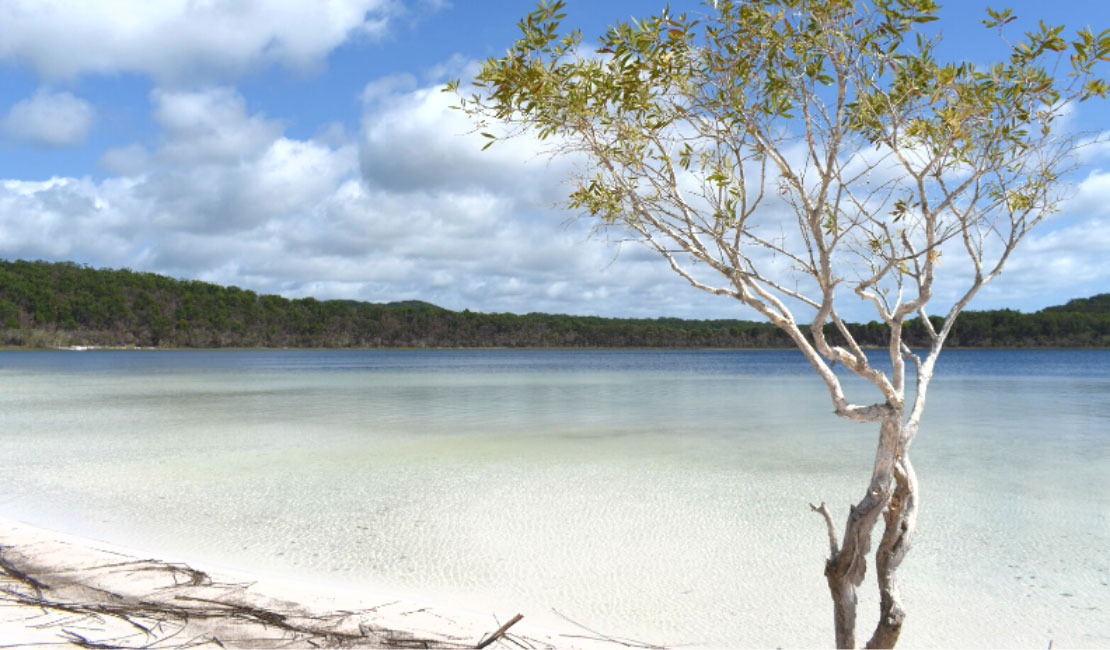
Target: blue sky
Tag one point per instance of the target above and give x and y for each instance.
(303, 149)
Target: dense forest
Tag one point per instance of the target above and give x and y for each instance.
(44, 304)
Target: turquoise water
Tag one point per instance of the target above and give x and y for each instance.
(658, 495)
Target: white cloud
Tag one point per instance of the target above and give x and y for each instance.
(217, 178)
(414, 141)
(1092, 195)
(219, 170)
(66, 219)
(53, 119)
(294, 218)
(128, 161)
(408, 208)
(180, 40)
(210, 125)
(386, 88)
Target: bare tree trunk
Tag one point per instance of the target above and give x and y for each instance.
(846, 567)
(844, 609)
(901, 522)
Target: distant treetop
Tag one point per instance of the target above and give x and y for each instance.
(1099, 304)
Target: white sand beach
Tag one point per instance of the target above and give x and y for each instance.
(62, 591)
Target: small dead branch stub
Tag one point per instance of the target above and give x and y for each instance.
(499, 633)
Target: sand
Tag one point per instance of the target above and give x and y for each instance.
(61, 591)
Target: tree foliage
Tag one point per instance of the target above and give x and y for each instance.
(46, 304)
(793, 154)
(62, 304)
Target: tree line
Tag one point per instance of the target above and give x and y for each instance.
(60, 304)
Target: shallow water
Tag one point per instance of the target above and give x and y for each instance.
(657, 495)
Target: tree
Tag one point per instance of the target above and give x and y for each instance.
(797, 154)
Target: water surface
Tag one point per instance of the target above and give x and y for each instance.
(661, 495)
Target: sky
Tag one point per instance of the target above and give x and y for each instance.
(304, 149)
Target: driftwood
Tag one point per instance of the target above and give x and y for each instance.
(89, 617)
(107, 600)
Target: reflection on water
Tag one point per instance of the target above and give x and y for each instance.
(639, 492)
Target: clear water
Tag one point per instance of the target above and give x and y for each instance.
(657, 495)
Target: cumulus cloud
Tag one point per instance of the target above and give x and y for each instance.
(218, 175)
(65, 219)
(1091, 194)
(52, 119)
(414, 141)
(407, 208)
(180, 40)
(226, 196)
(218, 169)
(210, 125)
(129, 160)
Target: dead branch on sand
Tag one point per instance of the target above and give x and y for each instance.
(106, 600)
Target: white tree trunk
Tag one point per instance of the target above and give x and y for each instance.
(901, 522)
(892, 492)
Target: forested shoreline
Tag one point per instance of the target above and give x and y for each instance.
(63, 304)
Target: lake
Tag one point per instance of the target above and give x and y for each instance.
(658, 495)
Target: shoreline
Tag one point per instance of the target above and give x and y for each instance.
(64, 591)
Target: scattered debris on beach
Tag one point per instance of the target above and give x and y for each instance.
(60, 594)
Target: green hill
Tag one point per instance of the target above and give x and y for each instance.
(44, 304)
(1099, 304)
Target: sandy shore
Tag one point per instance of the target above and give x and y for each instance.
(60, 591)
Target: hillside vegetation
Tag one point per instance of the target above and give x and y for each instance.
(44, 304)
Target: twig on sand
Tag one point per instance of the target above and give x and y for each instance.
(599, 636)
(499, 633)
